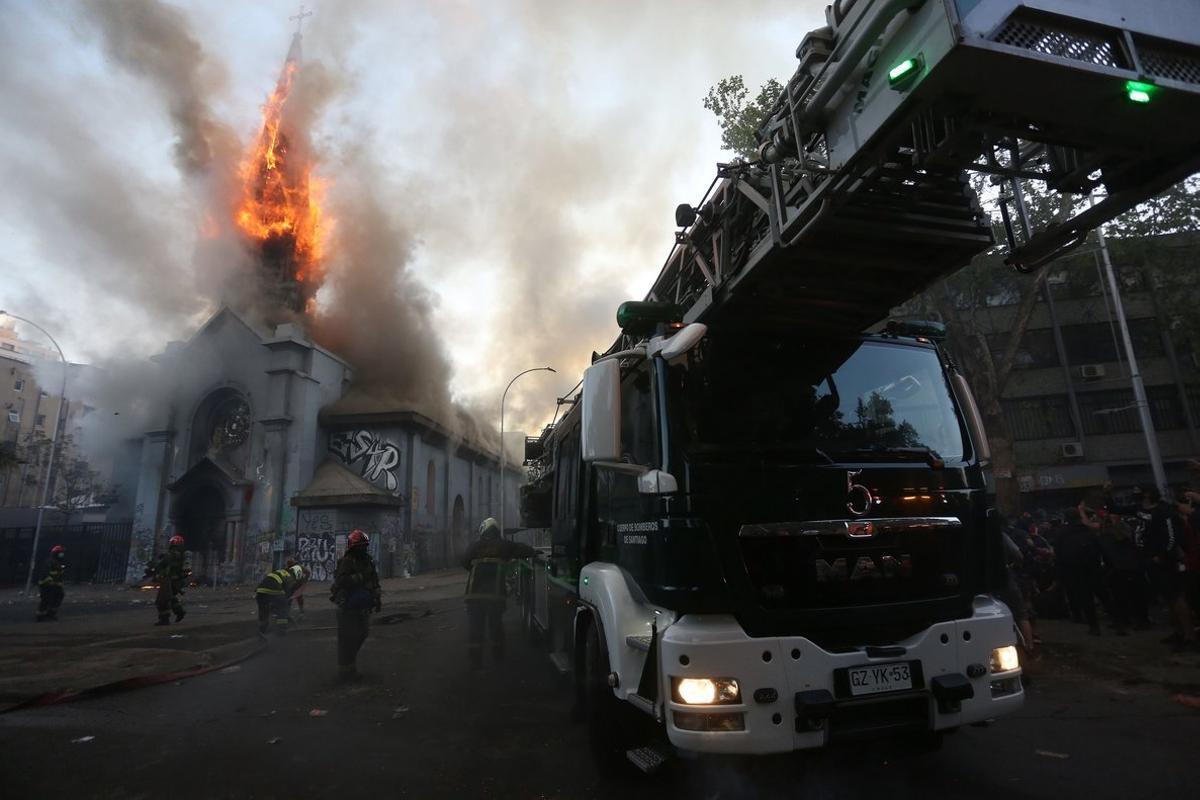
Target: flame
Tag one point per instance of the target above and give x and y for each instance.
(281, 199)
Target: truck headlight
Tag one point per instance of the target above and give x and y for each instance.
(705, 691)
(1004, 659)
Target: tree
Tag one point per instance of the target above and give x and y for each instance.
(738, 118)
(956, 301)
(1158, 241)
(75, 484)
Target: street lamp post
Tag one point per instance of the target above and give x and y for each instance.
(502, 456)
(1135, 377)
(62, 399)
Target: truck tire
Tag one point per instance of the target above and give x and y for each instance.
(600, 711)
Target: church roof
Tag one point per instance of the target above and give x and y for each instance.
(208, 465)
(335, 485)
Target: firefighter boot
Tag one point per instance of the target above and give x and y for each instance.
(180, 613)
(163, 619)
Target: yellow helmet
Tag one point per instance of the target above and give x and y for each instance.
(489, 527)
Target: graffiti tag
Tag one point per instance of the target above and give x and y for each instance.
(379, 458)
(319, 554)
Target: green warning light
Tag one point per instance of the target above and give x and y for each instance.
(905, 71)
(1139, 92)
(903, 68)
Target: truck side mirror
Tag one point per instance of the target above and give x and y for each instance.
(602, 411)
(683, 341)
(656, 481)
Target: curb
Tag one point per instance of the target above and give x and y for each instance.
(140, 681)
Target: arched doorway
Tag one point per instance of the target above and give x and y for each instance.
(458, 527)
(200, 519)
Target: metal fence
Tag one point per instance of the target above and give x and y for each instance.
(96, 552)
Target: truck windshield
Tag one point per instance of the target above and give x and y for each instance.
(853, 399)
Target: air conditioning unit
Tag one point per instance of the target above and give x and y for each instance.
(1072, 450)
(14, 416)
(1091, 372)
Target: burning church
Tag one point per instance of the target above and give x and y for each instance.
(267, 443)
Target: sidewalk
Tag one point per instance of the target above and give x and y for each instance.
(1139, 658)
(106, 636)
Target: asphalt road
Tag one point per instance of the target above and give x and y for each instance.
(421, 725)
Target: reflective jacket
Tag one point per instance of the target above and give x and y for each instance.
(486, 560)
(279, 582)
(55, 571)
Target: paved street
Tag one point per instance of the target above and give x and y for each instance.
(421, 725)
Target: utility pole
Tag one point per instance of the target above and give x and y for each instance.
(1135, 376)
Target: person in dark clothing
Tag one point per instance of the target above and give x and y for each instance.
(357, 593)
(486, 591)
(1163, 549)
(1012, 595)
(1077, 555)
(170, 573)
(50, 587)
(273, 596)
(1123, 572)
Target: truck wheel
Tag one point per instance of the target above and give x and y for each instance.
(599, 708)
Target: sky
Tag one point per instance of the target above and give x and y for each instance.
(524, 157)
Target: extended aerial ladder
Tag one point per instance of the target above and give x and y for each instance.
(860, 195)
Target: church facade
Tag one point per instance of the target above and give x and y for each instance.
(250, 461)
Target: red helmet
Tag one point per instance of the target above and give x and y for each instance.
(175, 540)
(57, 549)
(357, 539)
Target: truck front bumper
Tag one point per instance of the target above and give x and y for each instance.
(795, 696)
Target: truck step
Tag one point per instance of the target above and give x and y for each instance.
(561, 662)
(647, 759)
(638, 643)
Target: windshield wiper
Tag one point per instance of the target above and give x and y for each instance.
(925, 454)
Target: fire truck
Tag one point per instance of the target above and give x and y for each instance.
(768, 522)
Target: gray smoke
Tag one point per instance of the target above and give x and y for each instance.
(154, 41)
(507, 158)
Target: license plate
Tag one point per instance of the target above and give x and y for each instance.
(880, 678)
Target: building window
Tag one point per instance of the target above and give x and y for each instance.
(40, 421)
(9, 346)
(1036, 349)
(1115, 411)
(18, 384)
(430, 487)
(1046, 417)
(1099, 342)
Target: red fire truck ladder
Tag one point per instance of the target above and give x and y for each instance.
(859, 198)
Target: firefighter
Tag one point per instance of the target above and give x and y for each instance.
(51, 586)
(274, 597)
(169, 572)
(356, 591)
(486, 590)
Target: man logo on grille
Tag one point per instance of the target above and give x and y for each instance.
(858, 497)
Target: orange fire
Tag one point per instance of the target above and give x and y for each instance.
(280, 204)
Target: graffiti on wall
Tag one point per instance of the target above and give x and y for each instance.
(378, 457)
(319, 554)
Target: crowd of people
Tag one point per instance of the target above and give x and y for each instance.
(1120, 557)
